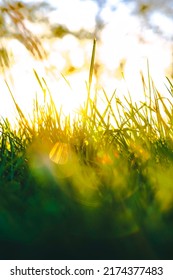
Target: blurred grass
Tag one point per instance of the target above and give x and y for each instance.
(99, 179)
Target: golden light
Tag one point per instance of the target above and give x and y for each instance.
(68, 92)
(65, 159)
(66, 71)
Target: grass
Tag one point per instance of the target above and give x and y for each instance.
(99, 186)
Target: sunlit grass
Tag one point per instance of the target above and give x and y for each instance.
(101, 174)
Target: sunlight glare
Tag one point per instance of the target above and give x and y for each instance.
(75, 14)
(121, 42)
(69, 94)
(164, 24)
(69, 59)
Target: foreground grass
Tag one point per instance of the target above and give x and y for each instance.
(96, 187)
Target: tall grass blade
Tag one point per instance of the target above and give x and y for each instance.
(91, 71)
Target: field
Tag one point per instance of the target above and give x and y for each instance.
(95, 187)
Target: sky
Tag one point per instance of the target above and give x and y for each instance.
(124, 42)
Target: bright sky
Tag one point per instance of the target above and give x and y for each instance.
(75, 14)
(119, 42)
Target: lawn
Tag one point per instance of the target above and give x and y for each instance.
(95, 187)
